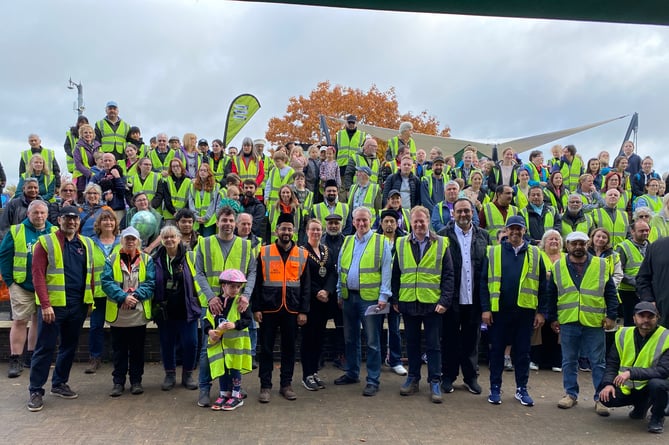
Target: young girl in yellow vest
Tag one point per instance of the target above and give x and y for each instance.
(229, 345)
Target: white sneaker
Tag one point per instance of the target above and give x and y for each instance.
(534, 366)
(556, 369)
(400, 370)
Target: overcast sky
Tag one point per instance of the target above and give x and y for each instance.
(175, 65)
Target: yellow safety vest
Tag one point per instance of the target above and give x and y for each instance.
(618, 230)
(346, 147)
(179, 197)
(367, 200)
(158, 165)
(113, 141)
(586, 305)
(570, 174)
(21, 252)
(238, 258)
(634, 260)
(73, 145)
(529, 278)
(583, 226)
(361, 161)
(648, 357)
(202, 204)
(273, 217)
(394, 143)
(46, 153)
(233, 350)
(494, 220)
(660, 226)
(421, 282)
(369, 267)
(111, 310)
(250, 171)
(549, 220)
(653, 203)
(148, 186)
(55, 271)
(219, 167)
(275, 182)
(321, 210)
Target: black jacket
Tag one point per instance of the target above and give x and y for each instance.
(653, 276)
(271, 299)
(394, 182)
(257, 210)
(478, 252)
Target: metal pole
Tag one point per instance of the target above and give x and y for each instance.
(80, 96)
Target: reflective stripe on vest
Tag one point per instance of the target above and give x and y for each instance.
(633, 263)
(361, 161)
(571, 173)
(421, 282)
(586, 305)
(179, 197)
(394, 143)
(73, 145)
(55, 270)
(648, 357)
(529, 277)
(275, 182)
(367, 200)
(202, 204)
(158, 165)
(280, 274)
(21, 252)
(233, 351)
(46, 153)
(654, 203)
(238, 258)
(111, 309)
(369, 266)
(346, 147)
(548, 217)
(494, 220)
(617, 229)
(148, 186)
(321, 210)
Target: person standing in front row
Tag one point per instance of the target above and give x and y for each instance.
(63, 277)
(363, 283)
(422, 285)
(280, 300)
(513, 286)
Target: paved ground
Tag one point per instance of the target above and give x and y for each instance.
(336, 415)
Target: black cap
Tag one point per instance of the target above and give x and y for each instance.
(330, 183)
(285, 217)
(439, 159)
(394, 192)
(69, 211)
(645, 306)
(333, 217)
(391, 213)
(202, 142)
(351, 118)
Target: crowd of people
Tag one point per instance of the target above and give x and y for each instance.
(557, 265)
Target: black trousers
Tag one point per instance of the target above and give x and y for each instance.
(460, 342)
(629, 299)
(287, 323)
(128, 353)
(312, 337)
(653, 394)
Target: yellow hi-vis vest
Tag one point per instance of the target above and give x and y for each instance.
(250, 171)
(202, 204)
(654, 203)
(158, 165)
(238, 258)
(46, 153)
(494, 221)
(571, 173)
(55, 271)
(321, 210)
(111, 310)
(233, 350)
(113, 141)
(660, 226)
(394, 144)
(369, 267)
(421, 282)
(20, 267)
(367, 200)
(73, 145)
(586, 305)
(361, 161)
(148, 186)
(179, 196)
(275, 182)
(634, 260)
(346, 147)
(529, 278)
(656, 345)
(617, 229)
(549, 219)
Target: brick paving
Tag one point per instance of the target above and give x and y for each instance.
(336, 415)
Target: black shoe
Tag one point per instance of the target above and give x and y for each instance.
(136, 389)
(319, 381)
(639, 412)
(473, 386)
(310, 383)
(656, 425)
(345, 379)
(117, 390)
(35, 403)
(15, 367)
(170, 381)
(370, 390)
(446, 386)
(188, 381)
(339, 363)
(63, 390)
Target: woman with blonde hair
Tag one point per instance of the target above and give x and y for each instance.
(203, 200)
(191, 156)
(38, 169)
(287, 203)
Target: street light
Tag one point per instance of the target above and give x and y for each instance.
(79, 106)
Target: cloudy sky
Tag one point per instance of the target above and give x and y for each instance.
(175, 65)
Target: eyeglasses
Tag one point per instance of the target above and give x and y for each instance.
(68, 190)
(644, 216)
(92, 193)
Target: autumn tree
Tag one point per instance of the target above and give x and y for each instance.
(372, 107)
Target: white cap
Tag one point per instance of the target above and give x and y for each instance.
(130, 231)
(576, 236)
(259, 142)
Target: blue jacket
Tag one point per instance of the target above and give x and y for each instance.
(193, 308)
(7, 254)
(115, 290)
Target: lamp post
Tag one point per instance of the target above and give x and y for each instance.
(79, 108)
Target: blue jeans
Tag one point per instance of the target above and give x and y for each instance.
(253, 336)
(187, 333)
(67, 326)
(354, 317)
(511, 328)
(393, 346)
(582, 341)
(432, 323)
(96, 334)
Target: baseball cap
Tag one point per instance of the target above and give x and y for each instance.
(130, 231)
(515, 221)
(365, 169)
(351, 118)
(111, 103)
(69, 211)
(645, 306)
(394, 192)
(202, 142)
(576, 236)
